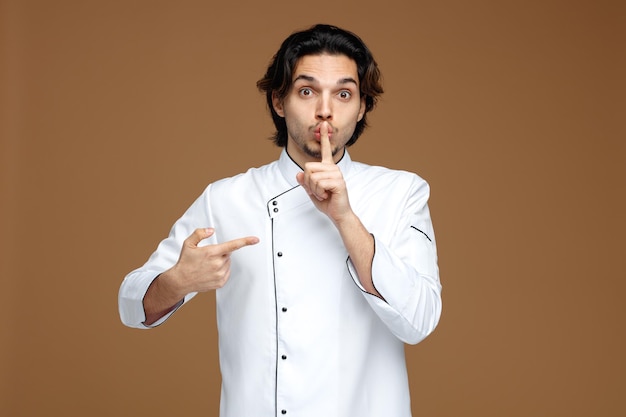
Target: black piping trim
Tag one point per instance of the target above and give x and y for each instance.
(372, 268)
(360, 287)
(422, 232)
(171, 310)
(276, 312)
(292, 160)
(267, 204)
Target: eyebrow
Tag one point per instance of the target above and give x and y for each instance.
(341, 81)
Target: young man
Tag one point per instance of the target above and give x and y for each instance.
(323, 267)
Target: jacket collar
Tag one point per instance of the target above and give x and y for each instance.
(289, 168)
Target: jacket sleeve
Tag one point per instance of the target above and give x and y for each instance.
(136, 283)
(405, 271)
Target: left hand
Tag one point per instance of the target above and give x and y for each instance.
(324, 182)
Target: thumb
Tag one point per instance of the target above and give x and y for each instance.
(300, 178)
(199, 235)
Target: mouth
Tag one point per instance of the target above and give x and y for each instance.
(318, 133)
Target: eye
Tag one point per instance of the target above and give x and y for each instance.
(345, 95)
(306, 92)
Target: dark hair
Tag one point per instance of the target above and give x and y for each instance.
(317, 40)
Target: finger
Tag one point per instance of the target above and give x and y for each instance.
(302, 181)
(236, 244)
(300, 177)
(199, 235)
(327, 153)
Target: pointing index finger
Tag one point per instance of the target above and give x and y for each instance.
(326, 151)
(236, 244)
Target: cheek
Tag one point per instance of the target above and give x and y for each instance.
(350, 121)
(295, 126)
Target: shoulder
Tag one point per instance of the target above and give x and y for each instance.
(382, 196)
(261, 173)
(389, 179)
(255, 183)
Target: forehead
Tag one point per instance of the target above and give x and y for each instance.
(326, 67)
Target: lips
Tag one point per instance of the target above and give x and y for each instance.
(318, 133)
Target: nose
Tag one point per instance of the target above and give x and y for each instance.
(324, 108)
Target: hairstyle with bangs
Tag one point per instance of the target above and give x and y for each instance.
(314, 41)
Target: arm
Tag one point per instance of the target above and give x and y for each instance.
(399, 275)
(360, 246)
(325, 185)
(177, 270)
(199, 269)
(405, 272)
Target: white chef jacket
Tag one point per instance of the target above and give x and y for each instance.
(298, 335)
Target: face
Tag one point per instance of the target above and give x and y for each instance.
(325, 88)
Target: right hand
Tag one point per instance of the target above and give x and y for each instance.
(205, 268)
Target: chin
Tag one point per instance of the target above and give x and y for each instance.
(313, 153)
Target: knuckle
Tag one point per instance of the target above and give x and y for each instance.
(221, 280)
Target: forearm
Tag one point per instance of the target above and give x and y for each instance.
(412, 305)
(360, 246)
(161, 298)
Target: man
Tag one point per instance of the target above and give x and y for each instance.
(323, 267)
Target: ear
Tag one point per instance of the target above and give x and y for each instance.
(277, 103)
(361, 110)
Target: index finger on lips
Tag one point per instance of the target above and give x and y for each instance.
(327, 153)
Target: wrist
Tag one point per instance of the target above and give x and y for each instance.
(347, 221)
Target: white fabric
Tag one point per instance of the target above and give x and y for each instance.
(296, 293)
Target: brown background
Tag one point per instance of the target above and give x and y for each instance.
(116, 114)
